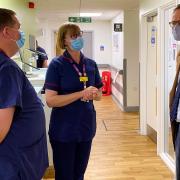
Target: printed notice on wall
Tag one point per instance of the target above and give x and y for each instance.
(116, 42)
(153, 36)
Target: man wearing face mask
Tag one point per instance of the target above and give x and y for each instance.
(72, 83)
(174, 103)
(23, 147)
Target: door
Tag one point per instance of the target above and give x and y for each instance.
(88, 44)
(152, 73)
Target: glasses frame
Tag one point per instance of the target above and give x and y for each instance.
(174, 23)
(75, 36)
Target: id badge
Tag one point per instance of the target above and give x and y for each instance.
(83, 79)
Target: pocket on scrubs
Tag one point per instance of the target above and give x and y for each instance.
(8, 170)
(34, 160)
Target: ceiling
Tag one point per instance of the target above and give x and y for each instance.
(61, 9)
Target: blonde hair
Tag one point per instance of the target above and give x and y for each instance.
(63, 30)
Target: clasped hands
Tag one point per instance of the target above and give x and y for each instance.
(89, 93)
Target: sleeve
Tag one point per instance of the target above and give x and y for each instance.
(98, 81)
(11, 86)
(52, 78)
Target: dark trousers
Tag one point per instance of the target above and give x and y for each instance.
(70, 159)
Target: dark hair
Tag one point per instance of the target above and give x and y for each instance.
(177, 7)
(6, 18)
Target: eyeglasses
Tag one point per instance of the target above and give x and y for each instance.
(174, 23)
(79, 34)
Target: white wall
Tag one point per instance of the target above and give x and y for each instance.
(128, 48)
(102, 36)
(149, 5)
(131, 53)
(45, 37)
(118, 40)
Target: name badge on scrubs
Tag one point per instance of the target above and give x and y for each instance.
(83, 79)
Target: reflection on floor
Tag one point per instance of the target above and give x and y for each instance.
(119, 152)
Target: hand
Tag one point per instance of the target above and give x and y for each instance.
(89, 93)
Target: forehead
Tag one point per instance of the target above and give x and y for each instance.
(176, 15)
(73, 30)
(17, 23)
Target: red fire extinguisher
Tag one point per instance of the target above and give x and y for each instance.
(104, 88)
(106, 80)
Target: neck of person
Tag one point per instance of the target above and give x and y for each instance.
(7, 51)
(75, 55)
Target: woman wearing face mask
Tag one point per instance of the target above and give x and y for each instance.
(23, 147)
(72, 83)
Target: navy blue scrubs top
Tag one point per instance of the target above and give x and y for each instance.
(75, 122)
(41, 58)
(24, 149)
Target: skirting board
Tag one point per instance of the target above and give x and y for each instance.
(123, 108)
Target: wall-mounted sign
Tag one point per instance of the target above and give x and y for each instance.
(153, 36)
(118, 27)
(80, 19)
(101, 48)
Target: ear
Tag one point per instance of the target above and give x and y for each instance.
(6, 33)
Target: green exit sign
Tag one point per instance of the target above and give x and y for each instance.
(80, 19)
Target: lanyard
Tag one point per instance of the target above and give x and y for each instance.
(82, 76)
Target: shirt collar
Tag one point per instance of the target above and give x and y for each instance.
(67, 55)
(3, 57)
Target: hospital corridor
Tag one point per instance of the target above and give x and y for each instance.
(89, 89)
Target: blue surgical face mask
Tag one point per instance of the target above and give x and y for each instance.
(21, 41)
(176, 32)
(77, 44)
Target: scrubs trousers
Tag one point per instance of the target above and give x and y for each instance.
(70, 159)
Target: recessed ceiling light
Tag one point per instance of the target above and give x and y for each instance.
(90, 14)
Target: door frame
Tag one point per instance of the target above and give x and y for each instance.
(162, 126)
(143, 68)
(160, 80)
(93, 45)
(153, 23)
